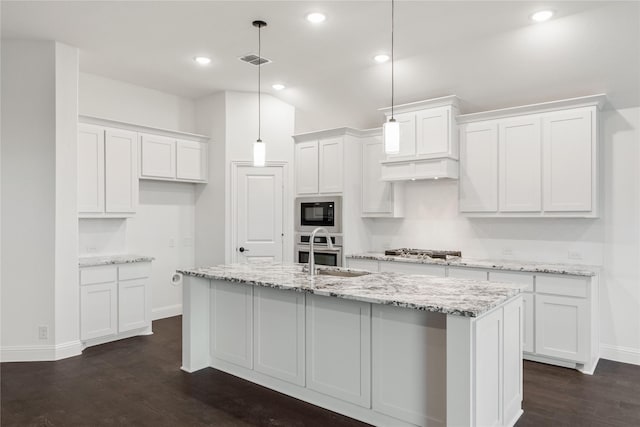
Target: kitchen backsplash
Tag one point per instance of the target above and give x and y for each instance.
(102, 236)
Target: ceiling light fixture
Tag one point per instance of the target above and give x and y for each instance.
(259, 149)
(381, 58)
(278, 86)
(202, 60)
(316, 17)
(392, 128)
(541, 16)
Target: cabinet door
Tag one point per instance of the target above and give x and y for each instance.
(121, 171)
(134, 304)
(432, 132)
(520, 165)
(413, 268)
(192, 161)
(330, 163)
(561, 327)
(479, 167)
(568, 160)
(307, 167)
(158, 157)
(407, 135)
(377, 195)
(467, 273)
(90, 169)
(363, 264)
(528, 302)
(98, 310)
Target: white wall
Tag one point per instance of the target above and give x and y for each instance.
(611, 242)
(39, 254)
(112, 99)
(163, 226)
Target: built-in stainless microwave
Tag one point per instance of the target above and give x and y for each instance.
(313, 212)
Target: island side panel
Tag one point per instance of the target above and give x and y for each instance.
(460, 371)
(195, 323)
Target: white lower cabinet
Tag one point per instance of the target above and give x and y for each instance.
(562, 327)
(114, 301)
(363, 264)
(413, 268)
(467, 273)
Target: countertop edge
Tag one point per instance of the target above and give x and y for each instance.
(94, 261)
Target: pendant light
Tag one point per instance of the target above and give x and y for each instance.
(259, 148)
(392, 128)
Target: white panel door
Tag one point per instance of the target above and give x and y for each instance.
(278, 339)
(407, 135)
(330, 156)
(98, 310)
(409, 364)
(90, 169)
(339, 348)
(568, 155)
(377, 195)
(520, 165)
(307, 167)
(191, 160)
(479, 167)
(432, 132)
(562, 327)
(121, 171)
(134, 304)
(158, 156)
(258, 215)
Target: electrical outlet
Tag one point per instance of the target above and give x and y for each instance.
(43, 332)
(507, 252)
(574, 255)
(91, 249)
(187, 242)
(172, 242)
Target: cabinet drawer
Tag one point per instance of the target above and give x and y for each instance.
(93, 275)
(363, 264)
(568, 286)
(137, 270)
(467, 273)
(509, 277)
(413, 268)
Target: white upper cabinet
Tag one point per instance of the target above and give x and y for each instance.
(546, 162)
(428, 141)
(107, 172)
(379, 198)
(157, 157)
(519, 165)
(479, 175)
(330, 158)
(569, 160)
(191, 160)
(306, 165)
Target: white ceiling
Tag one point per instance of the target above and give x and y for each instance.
(487, 53)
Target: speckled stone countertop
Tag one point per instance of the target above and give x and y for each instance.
(462, 297)
(531, 267)
(91, 261)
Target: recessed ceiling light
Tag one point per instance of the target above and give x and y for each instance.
(316, 17)
(278, 86)
(541, 16)
(202, 60)
(381, 58)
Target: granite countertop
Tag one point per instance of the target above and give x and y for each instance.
(91, 261)
(462, 297)
(531, 267)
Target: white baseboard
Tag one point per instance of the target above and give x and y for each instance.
(166, 311)
(40, 353)
(620, 354)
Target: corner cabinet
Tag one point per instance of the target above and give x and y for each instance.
(531, 161)
(107, 172)
(428, 141)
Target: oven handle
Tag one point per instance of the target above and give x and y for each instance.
(319, 249)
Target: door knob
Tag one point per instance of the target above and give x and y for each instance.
(243, 249)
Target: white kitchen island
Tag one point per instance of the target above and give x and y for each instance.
(385, 348)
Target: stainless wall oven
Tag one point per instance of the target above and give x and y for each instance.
(313, 212)
(323, 255)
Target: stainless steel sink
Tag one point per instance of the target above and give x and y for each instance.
(342, 273)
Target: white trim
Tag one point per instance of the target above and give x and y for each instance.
(103, 121)
(40, 353)
(443, 101)
(166, 311)
(620, 354)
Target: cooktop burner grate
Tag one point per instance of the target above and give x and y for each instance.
(422, 253)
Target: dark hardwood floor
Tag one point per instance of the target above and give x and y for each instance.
(138, 382)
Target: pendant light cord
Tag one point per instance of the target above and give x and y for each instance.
(392, 70)
(259, 77)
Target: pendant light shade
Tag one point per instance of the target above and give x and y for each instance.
(259, 147)
(392, 128)
(391, 136)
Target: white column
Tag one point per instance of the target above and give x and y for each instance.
(195, 323)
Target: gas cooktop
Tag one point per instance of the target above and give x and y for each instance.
(423, 253)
